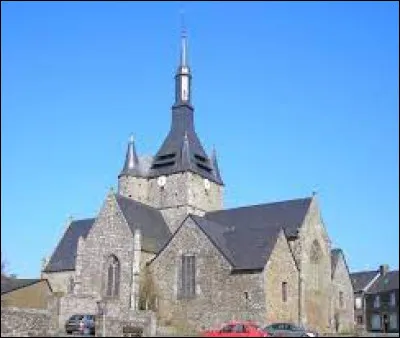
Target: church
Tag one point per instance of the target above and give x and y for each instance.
(164, 243)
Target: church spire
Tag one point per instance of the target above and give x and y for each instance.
(131, 166)
(183, 76)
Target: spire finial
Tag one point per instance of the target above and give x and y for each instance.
(131, 138)
(184, 40)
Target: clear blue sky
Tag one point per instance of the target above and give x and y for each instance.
(295, 96)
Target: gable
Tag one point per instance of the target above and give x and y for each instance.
(361, 279)
(150, 222)
(64, 256)
(191, 238)
(387, 282)
(339, 266)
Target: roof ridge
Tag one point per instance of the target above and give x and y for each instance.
(117, 196)
(261, 204)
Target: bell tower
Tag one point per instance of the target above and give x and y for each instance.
(183, 178)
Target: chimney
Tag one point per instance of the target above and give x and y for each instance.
(383, 269)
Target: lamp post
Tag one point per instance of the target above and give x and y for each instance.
(101, 307)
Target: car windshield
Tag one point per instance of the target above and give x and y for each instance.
(76, 317)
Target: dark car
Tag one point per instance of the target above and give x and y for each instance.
(84, 324)
(289, 330)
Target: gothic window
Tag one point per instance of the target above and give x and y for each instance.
(284, 291)
(315, 260)
(112, 276)
(188, 276)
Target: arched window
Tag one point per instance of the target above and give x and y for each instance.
(315, 260)
(112, 275)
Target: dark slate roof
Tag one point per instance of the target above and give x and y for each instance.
(243, 248)
(362, 278)
(64, 255)
(11, 284)
(131, 165)
(246, 236)
(267, 218)
(182, 150)
(154, 230)
(386, 282)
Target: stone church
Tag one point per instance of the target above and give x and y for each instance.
(163, 242)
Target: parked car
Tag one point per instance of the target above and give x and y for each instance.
(289, 330)
(83, 323)
(237, 329)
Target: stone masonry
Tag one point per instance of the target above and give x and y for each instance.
(342, 310)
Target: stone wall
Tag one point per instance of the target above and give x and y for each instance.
(110, 235)
(71, 304)
(315, 272)
(144, 321)
(281, 268)
(58, 281)
(185, 189)
(219, 295)
(136, 188)
(17, 322)
(343, 313)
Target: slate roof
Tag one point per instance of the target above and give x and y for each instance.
(11, 284)
(267, 218)
(155, 233)
(154, 230)
(246, 236)
(182, 150)
(64, 255)
(362, 278)
(244, 250)
(386, 282)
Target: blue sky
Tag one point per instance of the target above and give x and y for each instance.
(296, 97)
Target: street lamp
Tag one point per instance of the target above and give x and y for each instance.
(101, 308)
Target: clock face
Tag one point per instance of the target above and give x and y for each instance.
(161, 181)
(207, 184)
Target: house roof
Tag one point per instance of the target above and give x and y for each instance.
(246, 236)
(362, 278)
(64, 255)
(154, 230)
(387, 282)
(11, 284)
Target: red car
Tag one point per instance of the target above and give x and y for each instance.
(237, 329)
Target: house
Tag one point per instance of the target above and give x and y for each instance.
(25, 293)
(376, 295)
(166, 226)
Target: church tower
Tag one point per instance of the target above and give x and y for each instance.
(183, 178)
